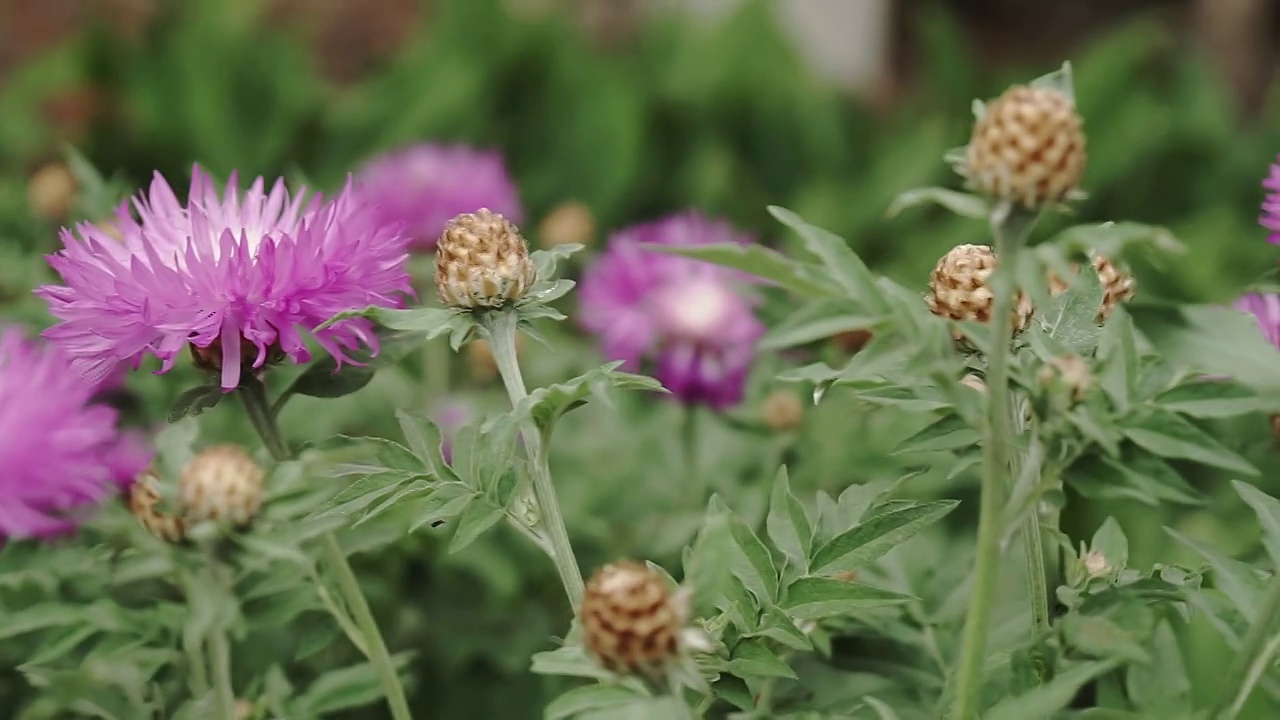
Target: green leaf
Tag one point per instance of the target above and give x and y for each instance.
(752, 658)
(1268, 511)
(569, 660)
(1071, 318)
(324, 379)
(840, 262)
(864, 543)
(1171, 436)
(1193, 337)
(951, 432)
(446, 501)
(427, 322)
(1060, 80)
(1051, 697)
(368, 489)
(590, 697)
(816, 598)
(477, 518)
(545, 405)
(961, 203)
(818, 321)
(1118, 354)
(759, 261)
(1211, 399)
(336, 690)
(752, 563)
(787, 523)
(1135, 475)
(424, 439)
(1111, 542)
(776, 626)
(1099, 637)
(193, 401)
(545, 260)
(1242, 583)
(706, 563)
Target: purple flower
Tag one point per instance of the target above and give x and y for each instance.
(451, 415)
(1266, 309)
(236, 276)
(687, 317)
(1270, 218)
(60, 453)
(422, 187)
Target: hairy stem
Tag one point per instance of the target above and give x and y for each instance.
(1257, 651)
(502, 330)
(1010, 228)
(254, 396)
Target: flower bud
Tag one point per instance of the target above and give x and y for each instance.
(974, 382)
(51, 190)
(958, 288)
(222, 483)
(782, 411)
(1068, 374)
(630, 620)
(1095, 564)
(570, 223)
(482, 261)
(1028, 147)
(143, 501)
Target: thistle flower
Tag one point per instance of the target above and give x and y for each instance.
(1266, 310)
(631, 620)
(482, 260)
(1028, 147)
(236, 277)
(422, 187)
(687, 317)
(61, 453)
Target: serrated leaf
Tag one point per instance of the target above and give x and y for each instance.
(951, 432)
(1171, 436)
(752, 563)
(1268, 511)
(1051, 697)
(1099, 637)
(569, 660)
(473, 522)
(193, 401)
(324, 379)
(841, 263)
(365, 491)
(776, 626)
(446, 501)
(1070, 318)
(787, 524)
(877, 535)
(706, 564)
(961, 203)
(578, 701)
(424, 439)
(546, 404)
(752, 658)
(1211, 399)
(816, 598)
(759, 261)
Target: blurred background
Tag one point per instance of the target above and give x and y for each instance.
(632, 109)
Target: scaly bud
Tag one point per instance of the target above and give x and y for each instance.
(782, 410)
(1028, 147)
(630, 620)
(221, 483)
(959, 289)
(482, 261)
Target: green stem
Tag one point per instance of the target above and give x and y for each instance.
(1010, 232)
(436, 358)
(1032, 535)
(254, 396)
(1255, 655)
(220, 652)
(502, 330)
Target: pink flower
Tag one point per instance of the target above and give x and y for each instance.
(1266, 309)
(62, 455)
(236, 277)
(1270, 217)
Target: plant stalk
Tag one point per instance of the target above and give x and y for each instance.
(254, 396)
(1257, 650)
(220, 652)
(502, 330)
(1010, 229)
(1032, 535)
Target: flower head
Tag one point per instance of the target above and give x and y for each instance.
(689, 318)
(1028, 147)
(423, 186)
(631, 620)
(237, 277)
(61, 453)
(1266, 309)
(1270, 217)
(482, 260)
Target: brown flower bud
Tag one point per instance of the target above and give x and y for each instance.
(1028, 147)
(144, 500)
(958, 288)
(1071, 374)
(221, 483)
(482, 261)
(630, 622)
(51, 190)
(782, 411)
(570, 223)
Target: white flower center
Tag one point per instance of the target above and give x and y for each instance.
(696, 310)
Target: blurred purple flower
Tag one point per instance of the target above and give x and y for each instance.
(451, 415)
(1266, 309)
(689, 318)
(236, 276)
(1270, 218)
(422, 187)
(60, 453)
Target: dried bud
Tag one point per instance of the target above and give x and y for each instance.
(958, 288)
(1068, 373)
(1028, 147)
(630, 621)
(51, 190)
(144, 500)
(782, 410)
(1117, 285)
(482, 261)
(570, 223)
(221, 483)
(974, 382)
